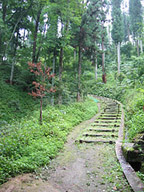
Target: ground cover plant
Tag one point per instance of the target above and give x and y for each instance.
(14, 103)
(72, 39)
(135, 113)
(29, 145)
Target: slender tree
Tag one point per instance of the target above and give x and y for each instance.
(126, 24)
(81, 36)
(41, 86)
(37, 21)
(135, 11)
(94, 20)
(117, 27)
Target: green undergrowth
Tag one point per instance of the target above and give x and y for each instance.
(126, 88)
(140, 173)
(14, 102)
(134, 103)
(28, 145)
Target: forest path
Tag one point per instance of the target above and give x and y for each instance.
(89, 165)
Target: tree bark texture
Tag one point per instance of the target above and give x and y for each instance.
(60, 74)
(118, 57)
(137, 43)
(128, 33)
(12, 71)
(41, 110)
(54, 64)
(79, 64)
(103, 62)
(75, 54)
(79, 74)
(34, 59)
(96, 76)
(141, 46)
(14, 60)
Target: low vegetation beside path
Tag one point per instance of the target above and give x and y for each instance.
(29, 145)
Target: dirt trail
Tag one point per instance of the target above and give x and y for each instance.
(80, 167)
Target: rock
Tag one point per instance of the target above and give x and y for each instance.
(139, 141)
(131, 153)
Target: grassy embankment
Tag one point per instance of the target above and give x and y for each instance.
(26, 145)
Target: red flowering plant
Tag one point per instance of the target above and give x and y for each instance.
(42, 86)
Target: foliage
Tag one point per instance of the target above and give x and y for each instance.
(135, 11)
(136, 125)
(41, 87)
(62, 34)
(127, 49)
(126, 24)
(15, 104)
(113, 89)
(44, 75)
(29, 145)
(93, 25)
(117, 30)
(134, 110)
(127, 87)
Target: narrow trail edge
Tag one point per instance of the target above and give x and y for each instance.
(134, 181)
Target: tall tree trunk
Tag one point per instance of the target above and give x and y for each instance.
(103, 62)
(24, 36)
(4, 12)
(12, 70)
(75, 54)
(41, 101)
(96, 76)
(128, 33)
(34, 59)
(118, 57)
(137, 43)
(79, 74)
(60, 74)
(14, 60)
(141, 46)
(54, 63)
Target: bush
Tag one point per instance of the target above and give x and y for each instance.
(135, 125)
(134, 102)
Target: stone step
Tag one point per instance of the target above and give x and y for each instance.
(103, 129)
(92, 140)
(109, 118)
(112, 106)
(112, 103)
(105, 125)
(111, 109)
(92, 134)
(110, 115)
(110, 121)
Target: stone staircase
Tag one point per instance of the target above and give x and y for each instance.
(105, 127)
